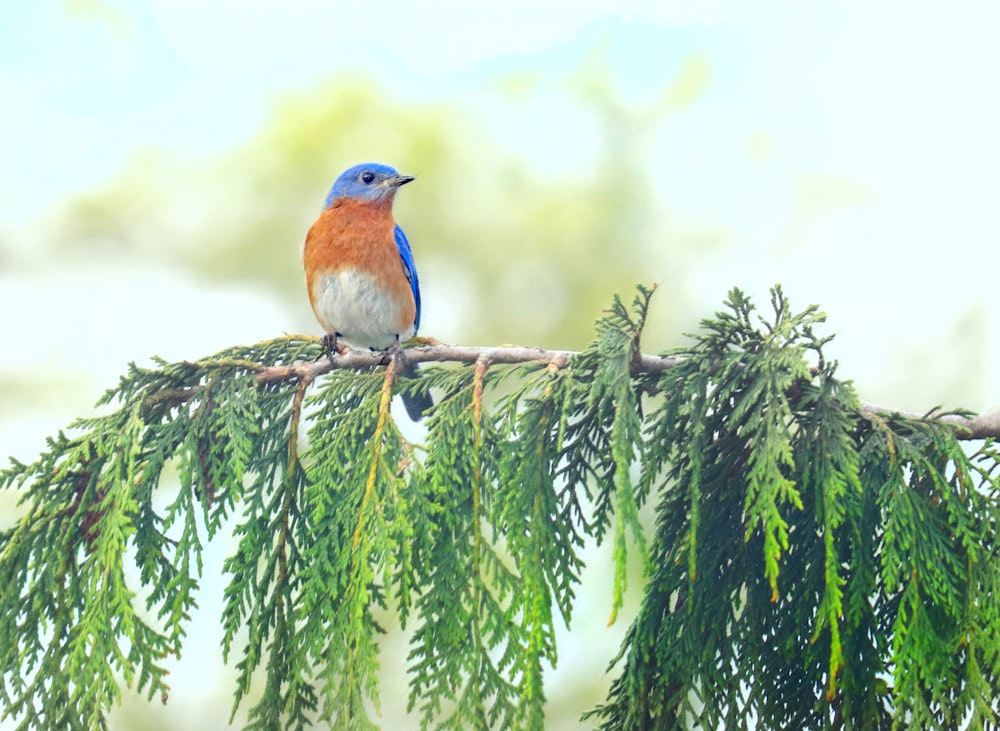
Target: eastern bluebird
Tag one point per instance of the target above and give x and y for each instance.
(360, 273)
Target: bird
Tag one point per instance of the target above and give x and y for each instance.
(360, 273)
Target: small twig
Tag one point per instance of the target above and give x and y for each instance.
(172, 397)
(376, 457)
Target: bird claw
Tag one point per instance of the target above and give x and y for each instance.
(396, 349)
(330, 345)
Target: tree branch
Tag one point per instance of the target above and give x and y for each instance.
(441, 353)
(977, 426)
(974, 426)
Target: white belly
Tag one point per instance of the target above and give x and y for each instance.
(349, 303)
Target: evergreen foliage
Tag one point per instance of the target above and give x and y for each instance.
(813, 564)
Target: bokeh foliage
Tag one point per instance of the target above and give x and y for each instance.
(813, 564)
(481, 219)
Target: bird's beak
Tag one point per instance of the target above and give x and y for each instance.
(398, 181)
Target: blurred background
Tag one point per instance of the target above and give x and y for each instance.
(161, 161)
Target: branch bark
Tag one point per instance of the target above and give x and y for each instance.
(977, 426)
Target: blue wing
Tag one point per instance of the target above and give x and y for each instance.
(410, 269)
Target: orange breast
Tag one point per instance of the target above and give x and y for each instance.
(357, 236)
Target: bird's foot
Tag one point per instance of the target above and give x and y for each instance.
(394, 351)
(330, 345)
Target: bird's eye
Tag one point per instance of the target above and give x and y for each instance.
(367, 177)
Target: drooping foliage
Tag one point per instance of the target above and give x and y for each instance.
(812, 564)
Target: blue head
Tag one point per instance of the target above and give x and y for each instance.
(368, 181)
